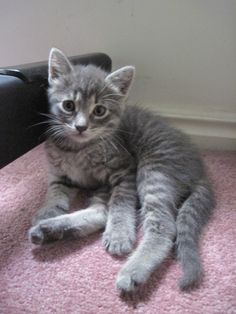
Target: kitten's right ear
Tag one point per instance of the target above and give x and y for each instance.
(58, 65)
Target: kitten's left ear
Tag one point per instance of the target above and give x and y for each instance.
(121, 79)
(58, 65)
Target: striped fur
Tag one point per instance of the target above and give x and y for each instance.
(127, 157)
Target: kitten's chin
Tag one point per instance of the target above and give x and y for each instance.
(81, 138)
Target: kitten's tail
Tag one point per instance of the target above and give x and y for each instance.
(192, 216)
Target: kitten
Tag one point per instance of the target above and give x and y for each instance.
(123, 155)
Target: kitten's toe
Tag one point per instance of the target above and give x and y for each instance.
(130, 277)
(125, 282)
(36, 235)
(117, 244)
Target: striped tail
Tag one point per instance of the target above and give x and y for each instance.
(192, 216)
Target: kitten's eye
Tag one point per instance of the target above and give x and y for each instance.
(99, 111)
(68, 105)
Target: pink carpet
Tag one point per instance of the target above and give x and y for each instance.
(78, 276)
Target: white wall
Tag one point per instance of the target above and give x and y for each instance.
(184, 50)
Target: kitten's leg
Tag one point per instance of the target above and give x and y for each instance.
(158, 210)
(119, 235)
(57, 200)
(78, 224)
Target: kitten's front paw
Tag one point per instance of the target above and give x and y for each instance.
(117, 242)
(129, 278)
(46, 230)
(36, 235)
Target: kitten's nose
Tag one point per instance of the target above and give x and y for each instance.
(81, 128)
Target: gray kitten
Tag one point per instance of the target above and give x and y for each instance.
(124, 156)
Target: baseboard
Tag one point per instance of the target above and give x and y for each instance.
(216, 132)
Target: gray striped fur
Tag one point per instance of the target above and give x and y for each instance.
(127, 157)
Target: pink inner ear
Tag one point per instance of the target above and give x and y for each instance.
(58, 64)
(124, 82)
(124, 86)
(122, 79)
(58, 67)
(53, 72)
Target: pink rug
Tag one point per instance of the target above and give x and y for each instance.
(78, 276)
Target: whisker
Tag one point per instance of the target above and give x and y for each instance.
(39, 123)
(113, 144)
(48, 115)
(114, 94)
(100, 92)
(117, 141)
(120, 130)
(69, 126)
(53, 129)
(111, 100)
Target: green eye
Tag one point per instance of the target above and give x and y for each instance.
(99, 111)
(68, 105)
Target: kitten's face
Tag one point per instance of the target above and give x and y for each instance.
(85, 101)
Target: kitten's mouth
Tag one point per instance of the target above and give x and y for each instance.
(81, 137)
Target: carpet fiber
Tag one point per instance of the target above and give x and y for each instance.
(78, 276)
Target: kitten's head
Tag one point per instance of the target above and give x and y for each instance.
(85, 102)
